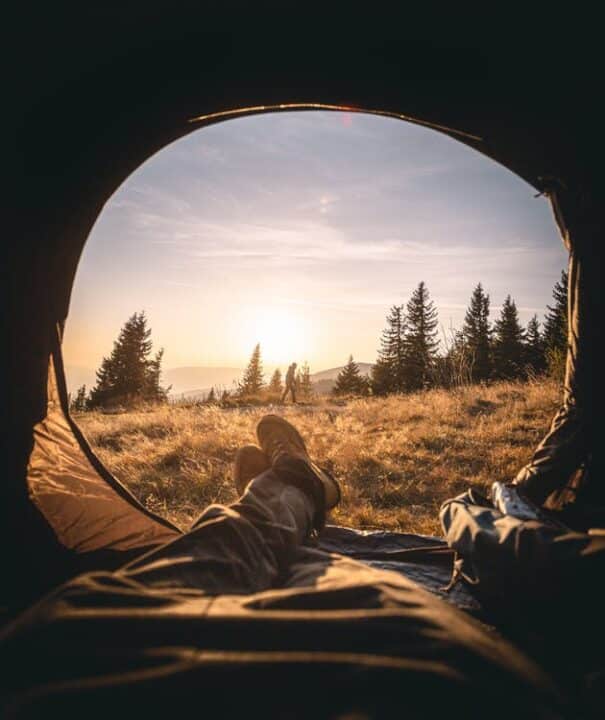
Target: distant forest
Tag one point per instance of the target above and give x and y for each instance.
(412, 356)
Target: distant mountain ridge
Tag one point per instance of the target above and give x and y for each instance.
(323, 381)
(332, 373)
(199, 379)
(196, 380)
(184, 380)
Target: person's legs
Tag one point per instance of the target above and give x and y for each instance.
(293, 391)
(241, 548)
(288, 389)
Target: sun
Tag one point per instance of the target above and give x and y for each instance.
(281, 331)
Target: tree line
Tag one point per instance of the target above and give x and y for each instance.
(411, 358)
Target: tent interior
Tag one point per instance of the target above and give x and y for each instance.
(84, 113)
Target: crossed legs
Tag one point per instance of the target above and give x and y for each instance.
(239, 549)
(245, 547)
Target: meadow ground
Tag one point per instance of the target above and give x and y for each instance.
(397, 458)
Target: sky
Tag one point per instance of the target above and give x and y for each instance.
(299, 230)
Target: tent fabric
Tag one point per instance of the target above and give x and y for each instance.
(85, 511)
(100, 641)
(567, 463)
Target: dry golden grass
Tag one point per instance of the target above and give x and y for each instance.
(397, 458)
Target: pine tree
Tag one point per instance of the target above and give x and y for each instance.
(509, 342)
(350, 381)
(381, 378)
(253, 381)
(276, 386)
(555, 330)
(107, 380)
(555, 320)
(534, 347)
(388, 373)
(305, 386)
(211, 397)
(476, 335)
(421, 339)
(129, 374)
(152, 389)
(79, 403)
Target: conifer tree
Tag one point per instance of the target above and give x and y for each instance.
(276, 386)
(305, 386)
(509, 342)
(129, 374)
(252, 382)
(350, 381)
(211, 397)
(555, 320)
(476, 335)
(381, 378)
(388, 373)
(534, 347)
(421, 339)
(152, 390)
(555, 330)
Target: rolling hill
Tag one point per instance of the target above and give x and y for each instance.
(197, 379)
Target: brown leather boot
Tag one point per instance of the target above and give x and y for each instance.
(250, 461)
(279, 439)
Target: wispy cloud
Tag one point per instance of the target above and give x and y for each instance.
(313, 241)
(321, 213)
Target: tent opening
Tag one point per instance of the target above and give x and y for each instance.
(409, 278)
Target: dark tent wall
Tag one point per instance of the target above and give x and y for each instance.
(93, 95)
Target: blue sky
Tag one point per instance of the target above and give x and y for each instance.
(299, 230)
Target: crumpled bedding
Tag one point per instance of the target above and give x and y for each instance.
(424, 559)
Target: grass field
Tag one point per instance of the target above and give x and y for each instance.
(397, 458)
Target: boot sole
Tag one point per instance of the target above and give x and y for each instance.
(249, 462)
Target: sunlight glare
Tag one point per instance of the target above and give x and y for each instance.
(281, 332)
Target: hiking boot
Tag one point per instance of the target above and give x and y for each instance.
(249, 462)
(280, 440)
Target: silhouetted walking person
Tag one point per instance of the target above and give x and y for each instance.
(290, 383)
